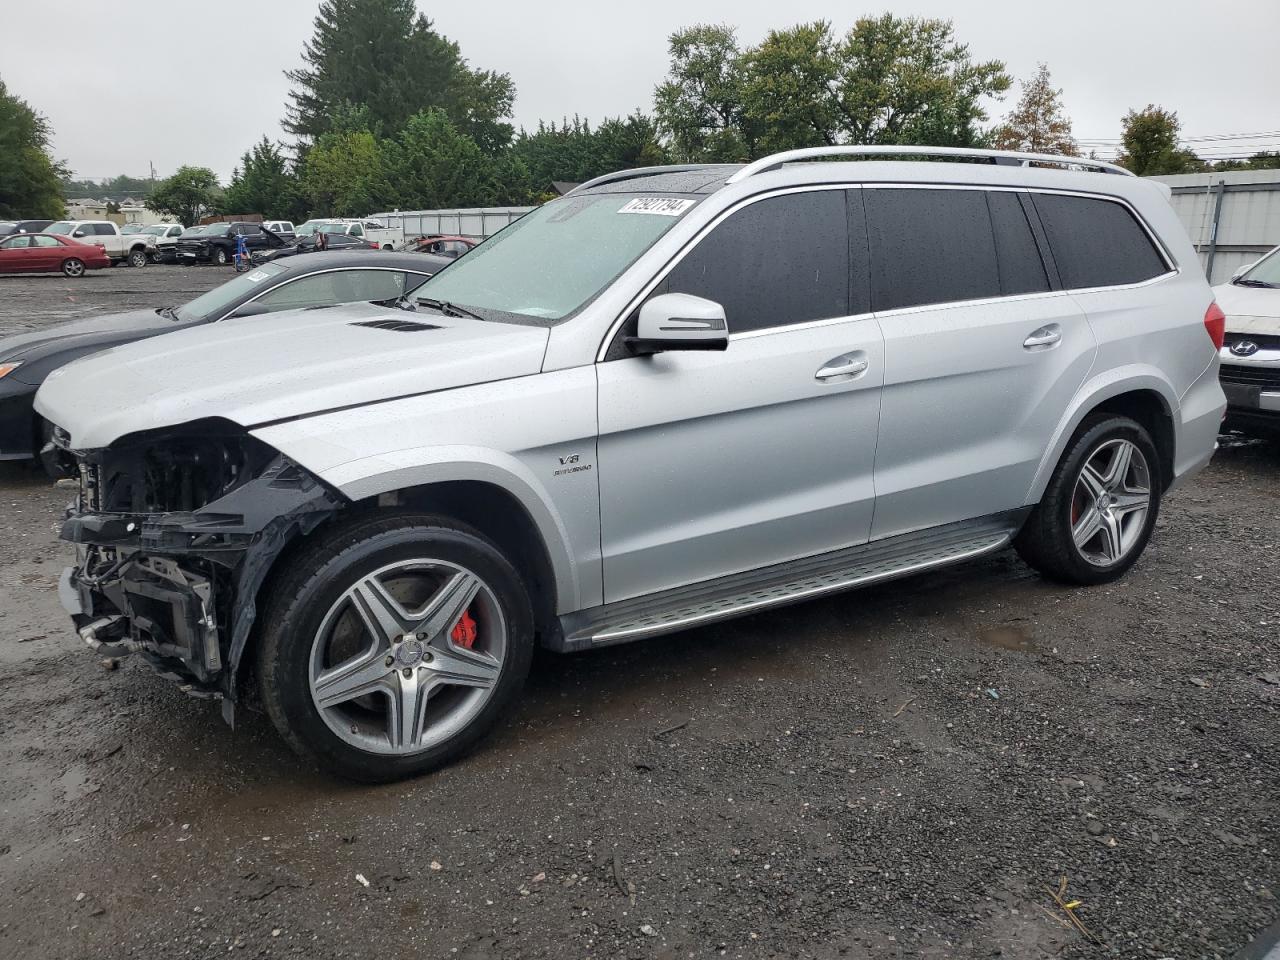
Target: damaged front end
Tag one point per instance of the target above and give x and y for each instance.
(175, 531)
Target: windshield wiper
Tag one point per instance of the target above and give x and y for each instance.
(1242, 282)
(448, 309)
(168, 313)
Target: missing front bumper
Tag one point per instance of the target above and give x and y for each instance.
(181, 588)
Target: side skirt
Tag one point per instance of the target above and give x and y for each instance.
(783, 583)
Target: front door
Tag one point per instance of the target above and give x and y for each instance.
(715, 463)
(981, 356)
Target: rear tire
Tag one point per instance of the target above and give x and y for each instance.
(1100, 506)
(73, 267)
(325, 639)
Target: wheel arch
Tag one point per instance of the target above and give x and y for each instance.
(1143, 395)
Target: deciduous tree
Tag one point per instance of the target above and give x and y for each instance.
(1038, 124)
(30, 180)
(1149, 144)
(188, 195)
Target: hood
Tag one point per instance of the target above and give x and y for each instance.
(63, 342)
(256, 370)
(1249, 309)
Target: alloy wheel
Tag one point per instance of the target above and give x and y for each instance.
(408, 656)
(73, 268)
(1110, 503)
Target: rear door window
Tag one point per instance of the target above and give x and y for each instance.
(104, 229)
(1097, 243)
(930, 246)
(780, 261)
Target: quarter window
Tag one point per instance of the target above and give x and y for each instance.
(1097, 243)
(779, 261)
(930, 246)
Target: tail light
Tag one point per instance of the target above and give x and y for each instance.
(1215, 324)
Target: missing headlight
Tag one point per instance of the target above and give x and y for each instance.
(178, 470)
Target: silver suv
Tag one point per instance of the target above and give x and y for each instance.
(673, 396)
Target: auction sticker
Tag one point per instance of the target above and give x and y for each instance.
(257, 276)
(662, 206)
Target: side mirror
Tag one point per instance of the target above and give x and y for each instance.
(78, 233)
(679, 321)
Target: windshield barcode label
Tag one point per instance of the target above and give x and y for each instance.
(662, 206)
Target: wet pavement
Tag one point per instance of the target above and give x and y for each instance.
(907, 771)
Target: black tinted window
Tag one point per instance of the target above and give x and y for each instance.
(778, 261)
(1096, 243)
(930, 246)
(1017, 256)
(105, 229)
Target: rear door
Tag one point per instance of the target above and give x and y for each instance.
(15, 254)
(46, 253)
(712, 463)
(982, 352)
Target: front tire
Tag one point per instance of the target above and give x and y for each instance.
(1100, 506)
(392, 645)
(219, 256)
(73, 267)
(137, 257)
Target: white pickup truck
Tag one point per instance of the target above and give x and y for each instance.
(374, 232)
(134, 249)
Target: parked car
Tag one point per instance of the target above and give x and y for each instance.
(441, 245)
(303, 282)
(129, 229)
(318, 242)
(135, 249)
(673, 396)
(166, 235)
(47, 253)
(23, 226)
(375, 232)
(216, 242)
(1251, 352)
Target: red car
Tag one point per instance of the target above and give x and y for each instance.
(48, 253)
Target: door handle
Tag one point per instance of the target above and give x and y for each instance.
(844, 367)
(1048, 336)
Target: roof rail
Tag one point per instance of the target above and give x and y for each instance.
(634, 172)
(1003, 157)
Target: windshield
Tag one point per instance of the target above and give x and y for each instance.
(551, 262)
(307, 229)
(62, 227)
(1265, 271)
(210, 305)
(333, 227)
(156, 231)
(132, 228)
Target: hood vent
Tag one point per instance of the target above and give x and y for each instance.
(399, 326)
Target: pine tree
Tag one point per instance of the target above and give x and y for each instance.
(1038, 124)
(382, 61)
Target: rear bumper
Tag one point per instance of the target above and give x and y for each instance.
(1197, 426)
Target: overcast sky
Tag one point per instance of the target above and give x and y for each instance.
(171, 82)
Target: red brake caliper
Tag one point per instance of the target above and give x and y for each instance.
(464, 634)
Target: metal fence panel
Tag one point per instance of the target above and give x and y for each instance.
(471, 222)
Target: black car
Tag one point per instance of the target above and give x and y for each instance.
(316, 243)
(27, 358)
(216, 242)
(8, 227)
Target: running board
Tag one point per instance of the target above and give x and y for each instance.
(742, 593)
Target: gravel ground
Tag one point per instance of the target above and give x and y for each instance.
(907, 771)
